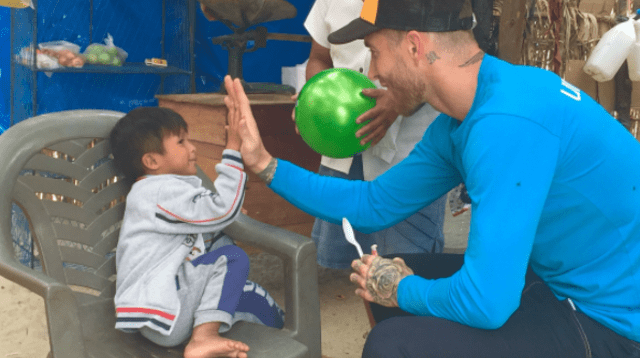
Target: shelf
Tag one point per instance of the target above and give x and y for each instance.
(176, 45)
(217, 99)
(127, 67)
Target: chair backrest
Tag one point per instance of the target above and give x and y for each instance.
(62, 176)
(57, 168)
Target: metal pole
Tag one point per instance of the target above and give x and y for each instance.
(90, 21)
(12, 69)
(622, 82)
(164, 23)
(192, 40)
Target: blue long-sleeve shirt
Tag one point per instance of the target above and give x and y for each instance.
(554, 182)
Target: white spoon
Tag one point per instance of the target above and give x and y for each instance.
(351, 237)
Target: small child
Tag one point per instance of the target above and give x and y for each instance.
(178, 275)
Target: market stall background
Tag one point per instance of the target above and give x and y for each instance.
(136, 28)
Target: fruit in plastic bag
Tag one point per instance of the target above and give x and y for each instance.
(65, 53)
(104, 58)
(92, 58)
(112, 51)
(107, 54)
(43, 60)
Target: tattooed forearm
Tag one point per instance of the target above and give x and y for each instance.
(383, 279)
(432, 57)
(267, 174)
(477, 57)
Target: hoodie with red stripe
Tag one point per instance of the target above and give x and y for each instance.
(163, 226)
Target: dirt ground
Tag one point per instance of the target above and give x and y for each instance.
(23, 329)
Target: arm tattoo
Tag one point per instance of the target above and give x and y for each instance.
(432, 57)
(477, 57)
(383, 279)
(267, 174)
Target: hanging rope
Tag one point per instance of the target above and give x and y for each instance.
(557, 31)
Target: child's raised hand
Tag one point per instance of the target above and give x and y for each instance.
(254, 154)
(234, 141)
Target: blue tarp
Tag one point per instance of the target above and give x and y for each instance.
(137, 29)
(4, 69)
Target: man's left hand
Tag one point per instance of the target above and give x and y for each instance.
(254, 154)
(378, 278)
(382, 116)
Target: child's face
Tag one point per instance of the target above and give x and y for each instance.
(179, 155)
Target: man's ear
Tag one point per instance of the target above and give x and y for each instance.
(150, 162)
(416, 46)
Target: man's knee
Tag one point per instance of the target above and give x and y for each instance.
(384, 340)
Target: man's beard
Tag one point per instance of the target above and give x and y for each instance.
(407, 89)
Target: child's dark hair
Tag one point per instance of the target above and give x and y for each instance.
(139, 132)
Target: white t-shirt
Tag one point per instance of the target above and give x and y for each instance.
(327, 16)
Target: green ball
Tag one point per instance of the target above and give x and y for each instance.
(327, 108)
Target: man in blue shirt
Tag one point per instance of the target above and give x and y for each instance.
(556, 276)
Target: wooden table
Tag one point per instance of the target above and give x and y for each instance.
(205, 114)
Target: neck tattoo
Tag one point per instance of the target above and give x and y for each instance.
(477, 57)
(432, 57)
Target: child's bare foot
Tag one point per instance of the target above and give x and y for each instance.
(215, 346)
(206, 343)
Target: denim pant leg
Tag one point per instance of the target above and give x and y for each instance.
(334, 251)
(422, 232)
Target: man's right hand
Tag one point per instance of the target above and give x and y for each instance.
(378, 278)
(380, 117)
(254, 154)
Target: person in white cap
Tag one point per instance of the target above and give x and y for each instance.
(392, 138)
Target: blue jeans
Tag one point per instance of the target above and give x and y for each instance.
(420, 233)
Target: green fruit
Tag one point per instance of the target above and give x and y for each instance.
(104, 58)
(95, 50)
(92, 58)
(116, 61)
(113, 51)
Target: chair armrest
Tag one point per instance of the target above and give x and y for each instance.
(65, 332)
(272, 239)
(302, 303)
